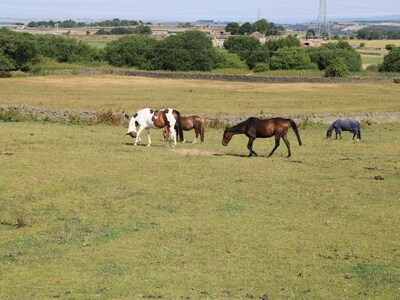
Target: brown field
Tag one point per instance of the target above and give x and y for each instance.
(194, 96)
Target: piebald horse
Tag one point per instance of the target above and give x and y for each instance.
(263, 128)
(345, 125)
(147, 118)
(189, 123)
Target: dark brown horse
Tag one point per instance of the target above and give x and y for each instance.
(263, 128)
(189, 123)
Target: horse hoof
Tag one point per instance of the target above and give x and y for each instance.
(148, 145)
(134, 144)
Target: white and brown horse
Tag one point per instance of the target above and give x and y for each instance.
(189, 123)
(147, 118)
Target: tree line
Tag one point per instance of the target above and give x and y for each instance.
(371, 33)
(72, 24)
(187, 51)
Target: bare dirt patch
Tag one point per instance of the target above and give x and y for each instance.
(196, 152)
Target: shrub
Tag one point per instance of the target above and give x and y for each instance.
(391, 61)
(337, 68)
(17, 50)
(294, 58)
(187, 51)
(65, 49)
(226, 60)
(324, 56)
(261, 67)
(131, 51)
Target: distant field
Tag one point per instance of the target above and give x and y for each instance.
(84, 214)
(197, 96)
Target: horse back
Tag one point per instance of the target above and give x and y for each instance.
(264, 128)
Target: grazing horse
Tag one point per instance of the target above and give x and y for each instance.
(189, 123)
(147, 118)
(263, 128)
(345, 125)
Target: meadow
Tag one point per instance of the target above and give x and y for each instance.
(85, 214)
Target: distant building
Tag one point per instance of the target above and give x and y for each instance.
(259, 36)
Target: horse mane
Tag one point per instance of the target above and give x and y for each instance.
(239, 126)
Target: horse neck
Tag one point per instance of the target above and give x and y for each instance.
(132, 125)
(238, 128)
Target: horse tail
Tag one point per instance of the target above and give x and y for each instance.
(296, 131)
(180, 127)
(202, 125)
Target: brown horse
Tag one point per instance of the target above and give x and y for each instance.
(189, 123)
(263, 128)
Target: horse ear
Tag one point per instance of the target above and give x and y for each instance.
(126, 116)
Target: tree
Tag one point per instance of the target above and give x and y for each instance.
(131, 51)
(242, 45)
(337, 68)
(310, 33)
(324, 56)
(246, 29)
(232, 27)
(17, 50)
(187, 51)
(262, 26)
(391, 61)
(65, 49)
(143, 29)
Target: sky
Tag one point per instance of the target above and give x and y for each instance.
(278, 11)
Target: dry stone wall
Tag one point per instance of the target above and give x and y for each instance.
(68, 115)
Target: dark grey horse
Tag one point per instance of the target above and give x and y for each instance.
(345, 125)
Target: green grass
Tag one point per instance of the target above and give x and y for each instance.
(84, 214)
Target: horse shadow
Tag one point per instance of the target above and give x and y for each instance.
(237, 155)
(145, 145)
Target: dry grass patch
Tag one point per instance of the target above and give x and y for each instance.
(124, 93)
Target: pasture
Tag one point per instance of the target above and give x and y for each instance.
(84, 214)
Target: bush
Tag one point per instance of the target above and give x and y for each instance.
(243, 46)
(187, 51)
(324, 56)
(294, 58)
(17, 50)
(337, 68)
(226, 60)
(261, 67)
(391, 61)
(131, 51)
(65, 49)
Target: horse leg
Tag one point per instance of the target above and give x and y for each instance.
(354, 134)
(358, 135)
(197, 132)
(285, 139)
(172, 137)
(148, 137)
(138, 134)
(277, 143)
(250, 146)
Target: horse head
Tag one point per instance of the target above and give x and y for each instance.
(226, 137)
(329, 134)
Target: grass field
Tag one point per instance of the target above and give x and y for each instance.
(197, 96)
(84, 214)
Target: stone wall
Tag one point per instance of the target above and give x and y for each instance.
(225, 77)
(73, 115)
